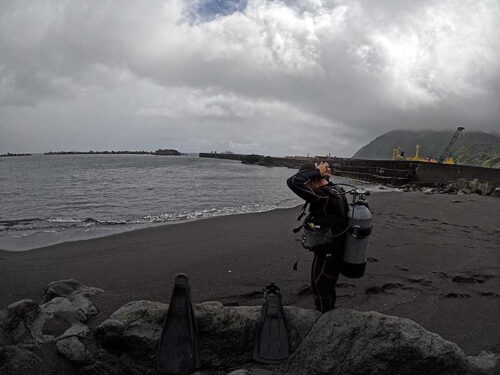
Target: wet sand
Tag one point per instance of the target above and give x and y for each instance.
(433, 258)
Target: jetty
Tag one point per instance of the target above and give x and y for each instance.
(387, 172)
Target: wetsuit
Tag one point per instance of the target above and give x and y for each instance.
(325, 209)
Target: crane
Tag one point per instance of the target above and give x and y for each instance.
(446, 152)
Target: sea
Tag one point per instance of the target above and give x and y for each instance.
(48, 199)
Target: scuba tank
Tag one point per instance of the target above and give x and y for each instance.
(356, 242)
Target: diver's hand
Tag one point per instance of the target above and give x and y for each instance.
(324, 169)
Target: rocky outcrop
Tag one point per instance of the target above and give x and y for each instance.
(342, 341)
(460, 187)
(28, 329)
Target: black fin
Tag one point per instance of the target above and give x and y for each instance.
(272, 340)
(178, 349)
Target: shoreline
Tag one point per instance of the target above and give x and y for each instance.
(19, 243)
(141, 227)
(429, 262)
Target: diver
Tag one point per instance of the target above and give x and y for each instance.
(328, 207)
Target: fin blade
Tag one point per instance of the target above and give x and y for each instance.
(272, 342)
(178, 349)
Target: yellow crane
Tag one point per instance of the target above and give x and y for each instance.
(445, 158)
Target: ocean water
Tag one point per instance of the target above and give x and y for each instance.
(49, 199)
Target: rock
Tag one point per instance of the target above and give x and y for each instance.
(486, 362)
(67, 305)
(349, 342)
(75, 308)
(68, 288)
(299, 321)
(15, 321)
(449, 189)
(108, 364)
(428, 191)
(23, 308)
(74, 351)
(109, 333)
(134, 328)
(461, 184)
(240, 372)
(253, 371)
(5, 338)
(483, 188)
(19, 361)
(474, 186)
(496, 192)
(59, 315)
(238, 325)
(78, 330)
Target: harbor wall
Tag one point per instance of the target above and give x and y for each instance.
(446, 173)
(394, 172)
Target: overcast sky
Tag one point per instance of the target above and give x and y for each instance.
(257, 76)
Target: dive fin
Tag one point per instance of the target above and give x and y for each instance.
(178, 349)
(272, 341)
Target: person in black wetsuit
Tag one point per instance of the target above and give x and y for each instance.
(326, 208)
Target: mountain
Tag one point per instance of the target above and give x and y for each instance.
(472, 148)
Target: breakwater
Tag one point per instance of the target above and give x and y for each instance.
(390, 172)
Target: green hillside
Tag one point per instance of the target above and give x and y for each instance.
(472, 148)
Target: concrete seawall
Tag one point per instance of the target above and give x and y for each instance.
(394, 172)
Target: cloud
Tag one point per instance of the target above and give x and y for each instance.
(281, 76)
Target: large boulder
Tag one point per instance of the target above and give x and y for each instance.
(134, 329)
(350, 342)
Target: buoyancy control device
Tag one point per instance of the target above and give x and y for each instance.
(356, 242)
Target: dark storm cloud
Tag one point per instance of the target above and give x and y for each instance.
(259, 76)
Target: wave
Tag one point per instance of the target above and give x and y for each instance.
(32, 226)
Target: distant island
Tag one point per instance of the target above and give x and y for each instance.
(9, 154)
(169, 152)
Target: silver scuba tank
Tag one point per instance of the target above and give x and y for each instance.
(356, 243)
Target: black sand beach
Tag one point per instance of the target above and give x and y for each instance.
(433, 258)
